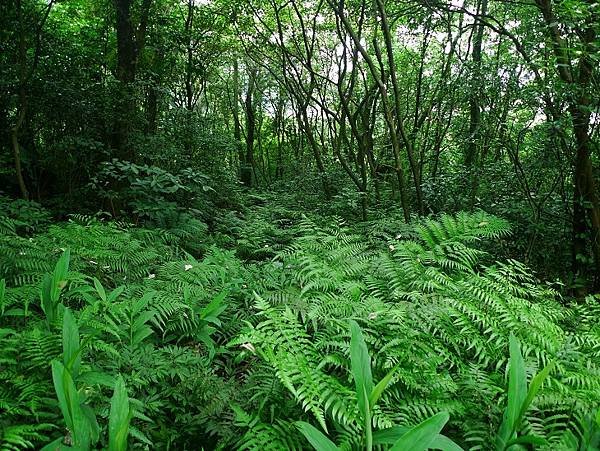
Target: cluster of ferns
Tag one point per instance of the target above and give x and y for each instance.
(233, 342)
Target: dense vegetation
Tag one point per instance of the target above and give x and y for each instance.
(325, 224)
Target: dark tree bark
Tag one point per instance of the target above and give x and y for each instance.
(25, 73)
(130, 43)
(237, 127)
(249, 108)
(586, 205)
(472, 153)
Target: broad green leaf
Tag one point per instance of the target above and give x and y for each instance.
(97, 378)
(6, 332)
(390, 435)
(56, 445)
(140, 335)
(71, 345)
(367, 420)
(60, 275)
(526, 440)
(214, 307)
(316, 438)
(120, 416)
(65, 390)
(114, 294)
(46, 298)
(142, 302)
(68, 401)
(100, 289)
(380, 387)
(421, 437)
(443, 443)
(92, 422)
(534, 388)
(517, 392)
(361, 367)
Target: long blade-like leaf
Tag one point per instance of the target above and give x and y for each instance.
(421, 437)
(68, 401)
(534, 388)
(380, 387)
(120, 416)
(71, 345)
(60, 275)
(361, 367)
(517, 392)
(390, 435)
(316, 438)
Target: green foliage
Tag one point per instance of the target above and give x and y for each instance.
(439, 318)
(52, 285)
(420, 437)
(336, 337)
(283, 224)
(120, 416)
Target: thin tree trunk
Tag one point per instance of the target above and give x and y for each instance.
(130, 43)
(237, 128)
(586, 205)
(248, 167)
(22, 100)
(473, 143)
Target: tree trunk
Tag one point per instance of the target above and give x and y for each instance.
(586, 205)
(189, 79)
(130, 43)
(22, 103)
(235, 107)
(247, 169)
(473, 143)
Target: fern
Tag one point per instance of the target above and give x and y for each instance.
(432, 305)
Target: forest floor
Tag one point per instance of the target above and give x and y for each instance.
(254, 330)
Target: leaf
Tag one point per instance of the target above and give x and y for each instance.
(140, 335)
(421, 437)
(390, 435)
(120, 416)
(6, 332)
(100, 289)
(56, 445)
(142, 302)
(64, 387)
(71, 345)
(443, 443)
(361, 367)
(534, 388)
(114, 294)
(92, 422)
(517, 392)
(46, 298)
(316, 438)
(142, 319)
(97, 378)
(380, 387)
(68, 401)
(215, 307)
(526, 440)
(60, 275)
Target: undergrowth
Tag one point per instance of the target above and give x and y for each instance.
(248, 337)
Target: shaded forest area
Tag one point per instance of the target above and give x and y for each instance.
(300, 224)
